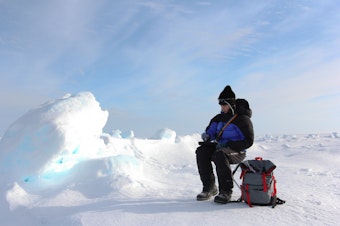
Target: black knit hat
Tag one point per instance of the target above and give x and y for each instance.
(227, 95)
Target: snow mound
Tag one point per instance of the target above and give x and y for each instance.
(61, 144)
(165, 134)
(49, 140)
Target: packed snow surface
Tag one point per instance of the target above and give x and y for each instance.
(58, 167)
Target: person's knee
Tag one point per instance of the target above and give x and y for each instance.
(199, 150)
(204, 150)
(218, 157)
(202, 155)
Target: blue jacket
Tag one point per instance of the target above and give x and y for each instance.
(239, 134)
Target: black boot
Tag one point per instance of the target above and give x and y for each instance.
(207, 193)
(223, 197)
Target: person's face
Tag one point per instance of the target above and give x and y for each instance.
(225, 108)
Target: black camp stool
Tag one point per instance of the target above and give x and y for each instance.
(235, 182)
(235, 158)
(234, 171)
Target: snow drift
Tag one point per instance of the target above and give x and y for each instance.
(59, 168)
(51, 139)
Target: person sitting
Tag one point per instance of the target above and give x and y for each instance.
(226, 139)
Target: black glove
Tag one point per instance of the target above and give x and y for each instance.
(205, 137)
(220, 146)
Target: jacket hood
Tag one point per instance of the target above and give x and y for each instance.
(242, 107)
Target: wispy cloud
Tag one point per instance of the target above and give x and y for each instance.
(172, 56)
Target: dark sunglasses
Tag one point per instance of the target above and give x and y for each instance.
(224, 101)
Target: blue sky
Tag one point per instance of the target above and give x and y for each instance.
(162, 64)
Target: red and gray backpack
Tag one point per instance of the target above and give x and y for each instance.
(258, 183)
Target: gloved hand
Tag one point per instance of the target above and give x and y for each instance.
(220, 146)
(205, 137)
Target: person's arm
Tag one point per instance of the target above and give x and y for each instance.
(246, 127)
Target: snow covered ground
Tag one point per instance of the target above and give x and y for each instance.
(59, 168)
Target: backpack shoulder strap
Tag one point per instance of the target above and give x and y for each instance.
(225, 126)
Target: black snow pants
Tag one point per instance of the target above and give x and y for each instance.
(222, 159)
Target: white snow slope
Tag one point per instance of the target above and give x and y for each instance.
(59, 168)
